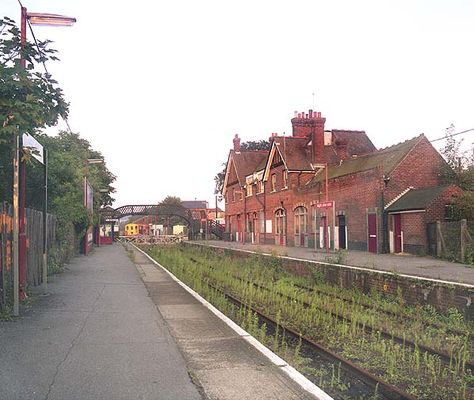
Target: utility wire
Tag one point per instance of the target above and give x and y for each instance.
(44, 63)
(454, 134)
(46, 69)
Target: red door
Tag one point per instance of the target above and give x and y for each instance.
(397, 232)
(372, 232)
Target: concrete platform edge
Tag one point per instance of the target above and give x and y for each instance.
(292, 373)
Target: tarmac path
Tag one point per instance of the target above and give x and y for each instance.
(97, 335)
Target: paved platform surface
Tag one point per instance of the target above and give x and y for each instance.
(97, 335)
(101, 334)
(426, 267)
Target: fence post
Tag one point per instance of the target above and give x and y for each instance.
(463, 239)
(438, 239)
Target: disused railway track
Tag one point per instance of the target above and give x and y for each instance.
(387, 390)
(367, 328)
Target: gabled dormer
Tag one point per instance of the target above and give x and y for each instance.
(241, 164)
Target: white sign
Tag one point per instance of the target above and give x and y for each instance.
(36, 148)
(269, 226)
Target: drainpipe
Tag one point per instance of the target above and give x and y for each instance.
(264, 214)
(264, 211)
(245, 216)
(385, 247)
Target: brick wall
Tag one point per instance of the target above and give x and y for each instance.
(414, 233)
(420, 169)
(436, 210)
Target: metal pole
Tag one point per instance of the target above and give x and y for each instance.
(22, 250)
(16, 275)
(23, 36)
(21, 246)
(45, 223)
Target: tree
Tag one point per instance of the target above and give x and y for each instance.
(170, 220)
(459, 170)
(255, 145)
(29, 100)
(245, 146)
(171, 200)
(67, 167)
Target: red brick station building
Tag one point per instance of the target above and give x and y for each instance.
(333, 189)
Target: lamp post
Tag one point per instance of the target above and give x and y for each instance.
(19, 168)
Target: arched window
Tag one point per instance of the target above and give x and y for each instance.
(280, 226)
(301, 225)
(285, 178)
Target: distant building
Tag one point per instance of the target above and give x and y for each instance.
(216, 215)
(198, 208)
(332, 188)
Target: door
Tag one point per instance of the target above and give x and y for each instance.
(280, 227)
(323, 236)
(372, 232)
(397, 233)
(238, 236)
(301, 217)
(341, 222)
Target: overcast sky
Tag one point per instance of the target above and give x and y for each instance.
(161, 87)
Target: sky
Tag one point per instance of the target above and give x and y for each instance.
(160, 88)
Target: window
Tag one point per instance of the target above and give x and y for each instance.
(285, 179)
(233, 195)
(260, 187)
(300, 220)
(449, 212)
(249, 189)
(274, 181)
(280, 222)
(262, 221)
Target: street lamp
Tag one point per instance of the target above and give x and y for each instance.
(19, 169)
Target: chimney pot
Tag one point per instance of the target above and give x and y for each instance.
(311, 113)
(236, 142)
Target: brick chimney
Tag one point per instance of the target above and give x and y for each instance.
(236, 142)
(341, 149)
(311, 126)
(272, 138)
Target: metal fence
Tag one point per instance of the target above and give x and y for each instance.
(452, 240)
(34, 235)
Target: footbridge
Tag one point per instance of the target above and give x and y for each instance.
(193, 222)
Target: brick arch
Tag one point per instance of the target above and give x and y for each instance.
(300, 205)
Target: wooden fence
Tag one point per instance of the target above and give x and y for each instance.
(34, 237)
(452, 240)
(149, 239)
